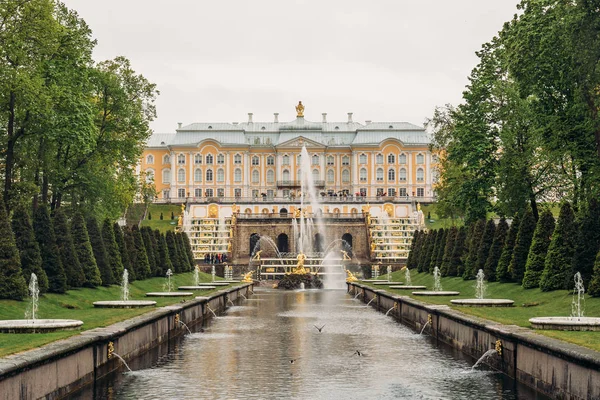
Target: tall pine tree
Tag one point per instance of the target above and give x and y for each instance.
(413, 250)
(587, 244)
(471, 260)
(106, 273)
(163, 253)
(188, 249)
(29, 250)
(44, 234)
(123, 253)
(537, 252)
(12, 282)
(436, 259)
(491, 263)
(112, 250)
(185, 262)
(460, 248)
(140, 257)
(172, 247)
(522, 245)
(448, 248)
(146, 232)
(486, 244)
(502, 272)
(66, 249)
(560, 252)
(84, 251)
(129, 248)
(426, 259)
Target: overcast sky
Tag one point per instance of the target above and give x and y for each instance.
(216, 61)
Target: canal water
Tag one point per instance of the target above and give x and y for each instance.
(269, 347)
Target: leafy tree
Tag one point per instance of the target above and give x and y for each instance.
(66, 249)
(502, 271)
(413, 254)
(29, 250)
(587, 244)
(44, 234)
(491, 263)
(522, 245)
(123, 253)
(173, 254)
(12, 282)
(471, 260)
(112, 250)
(560, 251)
(594, 288)
(140, 256)
(458, 252)
(448, 248)
(188, 249)
(146, 232)
(537, 252)
(486, 244)
(164, 262)
(106, 272)
(84, 251)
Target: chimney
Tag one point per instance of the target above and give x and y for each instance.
(367, 122)
(179, 125)
(324, 118)
(349, 118)
(249, 118)
(276, 119)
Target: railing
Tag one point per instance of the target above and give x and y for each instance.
(281, 184)
(287, 200)
(358, 216)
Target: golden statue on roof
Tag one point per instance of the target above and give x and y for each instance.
(300, 109)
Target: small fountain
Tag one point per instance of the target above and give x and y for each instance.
(213, 273)
(484, 357)
(437, 287)
(199, 285)
(429, 322)
(408, 283)
(111, 354)
(479, 301)
(395, 307)
(124, 302)
(576, 322)
(168, 289)
(369, 303)
(33, 325)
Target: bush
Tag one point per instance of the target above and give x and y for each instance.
(44, 234)
(106, 272)
(66, 249)
(560, 251)
(161, 216)
(486, 244)
(522, 245)
(458, 252)
(491, 263)
(502, 272)
(149, 215)
(84, 251)
(112, 250)
(413, 254)
(172, 215)
(293, 281)
(448, 248)
(537, 252)
(471, 259)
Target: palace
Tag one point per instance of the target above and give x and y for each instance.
(253, 168)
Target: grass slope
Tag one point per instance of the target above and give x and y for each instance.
(166, 224)
(78, 304)
(529, 303)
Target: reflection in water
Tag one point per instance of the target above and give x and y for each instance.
(247, 354)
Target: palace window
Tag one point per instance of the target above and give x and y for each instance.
(299, 159)
(270, 176)
(391, 175)
(379, 159)
(255, 176)
(167, 159)
(391, 158)
(362, 159)
(237, 159)
(391, 192)
(402, 159)
(220, 175)
(299, 174)
(363, 174)
(181, 175)
(379, 174)
(220, 192)
(255, 193)
(270, 160)
(330, 161)
(166, 175)
(380, 192)
(209, 159)
(286, 160)
(209, 175)
(150, 159)
(315, 159)
(198, 159)
(197, 192)
(209, 192)
(198, 175)
(181, 159)
(362, 191)
(346, 176)
(220, 159)
(330, 176)
(237, 192)
(420, 159)
(402, 192)
(255, 160)
(315, 175)
(237, 175)
(345, 160)
(181, 193)
(402, 175)
(286, 193)
(286, 175)
(420, 192)
(420, 175)
(270, 193)
(166, 194)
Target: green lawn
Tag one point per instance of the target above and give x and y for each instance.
(435, 222)
(166, 224)
(78, 304)
(528, 304)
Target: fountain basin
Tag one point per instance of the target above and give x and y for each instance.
(566, 323)
(483, 302)
(387, 283)
(230, 281)
(38, 325)
(374, 280)
(124, 303)
(408, 287)
(206, 287)
(219, 283)
(433, 293)
(169, 294)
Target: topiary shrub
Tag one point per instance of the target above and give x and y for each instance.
(491, 263)
(537, 252)
(560, 252)
(502, 272)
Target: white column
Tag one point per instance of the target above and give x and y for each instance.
(173, 173)
(246, 171)
(190, 180)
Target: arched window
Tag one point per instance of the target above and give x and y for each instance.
(237, 175)
(209, 159)
(420, 175)
(402, 174)
(255, 160)
(363, 174)
(181, 159)
(198, 175)
(315, 159)
(255, 176)
(420, 159)
(181, 175)
(379, 174)
(299, 174)
(330, 160)
(402, 159)
(220, 159)
(198, 159)
(166, 159)
(330, 176)
(220, 175)
(391, 175)
(345, 176)
(391, 158)
(299, 159)
(150, 159)
(286, 175)
(149, 175)
(286, 160)
(270, 160)
(345, 160)
(315, 175)
(237, 159)
(362, 159)
(379, 159)
(166, 175)
(209, 175)
(270, 176)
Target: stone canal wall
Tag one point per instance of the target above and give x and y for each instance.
(62, 367)
(555, 368)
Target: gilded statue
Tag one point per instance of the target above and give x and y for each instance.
(351, 277)
(345, 255)
(373, 246)
(248, 277)
(300, 109)
(257, 256)
(300, 265)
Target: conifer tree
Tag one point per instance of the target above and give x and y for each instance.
(44, 234)
(129, 247)
(155, 244)
(106, 273)
(448, 248)
(471, 260)
(84, 251)
(188, 249)
(140, 256)
(560, 252)
(522, 245)
(164, 262)
(185, 262)
(426, 259)
(172, 247)
(491, 263)
(413, 250)
(587, 244)
(486, 244)
(112, 250)
(502, 272)
(537, 252)
(146, 232)
(12, 282)
(29, 250)
(421, 246)
(120, 241)
(594, 287)
(66, 249)
(458, 252)
(436, 259)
